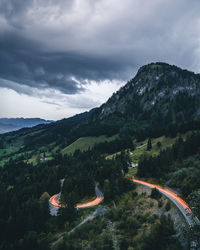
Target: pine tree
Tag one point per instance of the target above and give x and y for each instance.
(149, 145)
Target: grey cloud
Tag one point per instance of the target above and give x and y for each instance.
(46, 43)
(52, 103)
(19, 88)
(84, 103)
(22, 63)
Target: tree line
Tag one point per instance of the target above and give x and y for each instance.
(159, 166)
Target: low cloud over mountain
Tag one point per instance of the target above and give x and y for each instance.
(65, 45)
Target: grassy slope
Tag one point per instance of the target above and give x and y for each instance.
(85, 143)
(141, 147)
(12, 144)
(11, 149)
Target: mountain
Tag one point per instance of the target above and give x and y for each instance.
(160, 99)
(157, 87)
(11, 124)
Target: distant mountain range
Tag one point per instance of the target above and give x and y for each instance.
(12, 124)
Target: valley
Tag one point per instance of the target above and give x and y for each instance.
(99, 125)
(145, 134)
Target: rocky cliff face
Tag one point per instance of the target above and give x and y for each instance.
(157, 87)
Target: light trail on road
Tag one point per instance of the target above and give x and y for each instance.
(167, 192)
(54, 200)
(91, 203)
(180, 203)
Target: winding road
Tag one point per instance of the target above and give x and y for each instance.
(54, 200)
(181, 204)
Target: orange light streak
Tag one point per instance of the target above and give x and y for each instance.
(168, 192)
(56, 203)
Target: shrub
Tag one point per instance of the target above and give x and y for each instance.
(168, 206)
(160, 203)
(155, 194)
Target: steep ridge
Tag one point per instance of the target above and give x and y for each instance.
(158, 99)
(159, 87)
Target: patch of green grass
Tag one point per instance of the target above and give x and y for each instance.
(132, 172)
(112, 155)
(33, 159)
(2, 152)
(49, 158)
(2, 162)
(154, 66)
(141, 147)
(9, 150)
(84, 143)
(7, 153)
(39, 157)
(10, 187)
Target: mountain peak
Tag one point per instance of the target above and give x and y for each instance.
(155, 66)
(163, 67)
(155, 86)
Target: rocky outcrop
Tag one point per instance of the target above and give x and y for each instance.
(156, 87)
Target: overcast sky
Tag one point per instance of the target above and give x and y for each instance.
(62, 57)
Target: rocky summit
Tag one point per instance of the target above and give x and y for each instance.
(170, 92)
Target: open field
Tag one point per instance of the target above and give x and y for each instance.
(84, 143)
(141, 147)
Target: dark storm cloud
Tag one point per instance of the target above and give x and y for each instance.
(46, 44)
(23, 61)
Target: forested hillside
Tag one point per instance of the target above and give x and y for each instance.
(178, 166)
(160, 99)
(101, 147)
